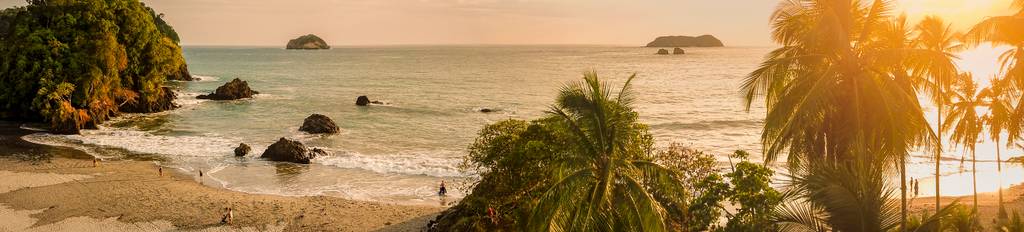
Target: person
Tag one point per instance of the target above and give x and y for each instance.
(917, 187)
(94, 162)
(161, 170)
(443, 190)
(228, 216)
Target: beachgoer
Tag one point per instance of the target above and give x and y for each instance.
(443, 190)
(917, 187)
(161, 170)
(94, 162)
(228, 216)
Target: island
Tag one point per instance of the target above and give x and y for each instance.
(686, 41)
(309, 41)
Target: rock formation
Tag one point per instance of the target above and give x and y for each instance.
(662, 52)
(235, 89)
(362, 101)
(291, 151)
(309, 41)
(686, 41)
(678, 51)
(242, 149)
(319, 124)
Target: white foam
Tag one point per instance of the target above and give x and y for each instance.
(141, 142)
(439, 164)
(204, 78)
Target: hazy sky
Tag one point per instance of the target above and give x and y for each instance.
(386, 22)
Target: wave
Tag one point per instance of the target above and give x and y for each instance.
(202, 78)
(141, 142)
(438, 164)
(707, 125)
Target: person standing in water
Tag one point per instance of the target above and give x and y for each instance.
(443, 191)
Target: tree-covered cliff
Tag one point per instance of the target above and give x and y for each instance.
(75, 64)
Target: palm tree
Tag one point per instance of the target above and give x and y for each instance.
(935, 35)
(603, 183)
(965, 122)
(841, 89)
(998, 120)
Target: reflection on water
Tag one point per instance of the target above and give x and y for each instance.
(959, 182)
(289, 172)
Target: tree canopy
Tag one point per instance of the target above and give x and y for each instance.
(74, 64)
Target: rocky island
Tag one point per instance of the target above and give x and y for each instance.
(309, 41)
(686, 41)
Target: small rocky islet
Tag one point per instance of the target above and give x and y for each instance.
(307, 42)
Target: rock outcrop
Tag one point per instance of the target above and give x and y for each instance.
(362, 101)
(686, 41)
(678, 51)
(291, 151)
(319, 124)
(309, 41)
(235, 89)
(242, 149)
(662, 52)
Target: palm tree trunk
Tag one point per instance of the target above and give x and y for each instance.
(999, 172)
(938, 172)
(903, 188)
(974, 176)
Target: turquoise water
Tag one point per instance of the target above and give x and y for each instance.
(399, 152)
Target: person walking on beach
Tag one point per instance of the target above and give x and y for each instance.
(228, 216)
(443, 191)
(917, 187)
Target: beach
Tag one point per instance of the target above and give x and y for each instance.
(45, 188)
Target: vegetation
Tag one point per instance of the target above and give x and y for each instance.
(74, 64)
(590, 166)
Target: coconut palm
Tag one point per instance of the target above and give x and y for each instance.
(965, 122)
(1006, 31)
(603, 183)
(936, 35)
(842, 85)
(998, 120)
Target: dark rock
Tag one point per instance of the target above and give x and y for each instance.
(319, 124)
(307, 42)
(181, 75)
(377, 102)
(242, 149)
(486, 110)
(291, 151)
(678, 51)
(662, 52)
(235, 89)
(362, 101)
(686, 41)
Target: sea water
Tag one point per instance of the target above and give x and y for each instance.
(402, 150)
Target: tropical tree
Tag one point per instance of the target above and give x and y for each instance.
(998, 121)
(842, 88)
(938, 36)
(600, 182)
(965, 122)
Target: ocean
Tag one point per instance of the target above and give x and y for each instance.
(401, 151)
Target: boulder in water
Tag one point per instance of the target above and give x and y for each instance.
(242, 149)
(319, 124)
(291, 151)
(487, 110)
(362, 101)
(662, 52)
(235, 89)
(678, 51)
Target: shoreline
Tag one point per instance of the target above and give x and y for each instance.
(132, 195)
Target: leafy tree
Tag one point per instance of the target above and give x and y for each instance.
(76, 63)
(965, 122)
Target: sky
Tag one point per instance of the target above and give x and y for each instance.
(403, 22)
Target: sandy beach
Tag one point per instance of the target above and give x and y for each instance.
(988, 203)
(45, 188)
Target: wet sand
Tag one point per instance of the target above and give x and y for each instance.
(57, 189)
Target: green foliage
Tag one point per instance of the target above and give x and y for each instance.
(76, 63)
(748, 189)
(1012, 224)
